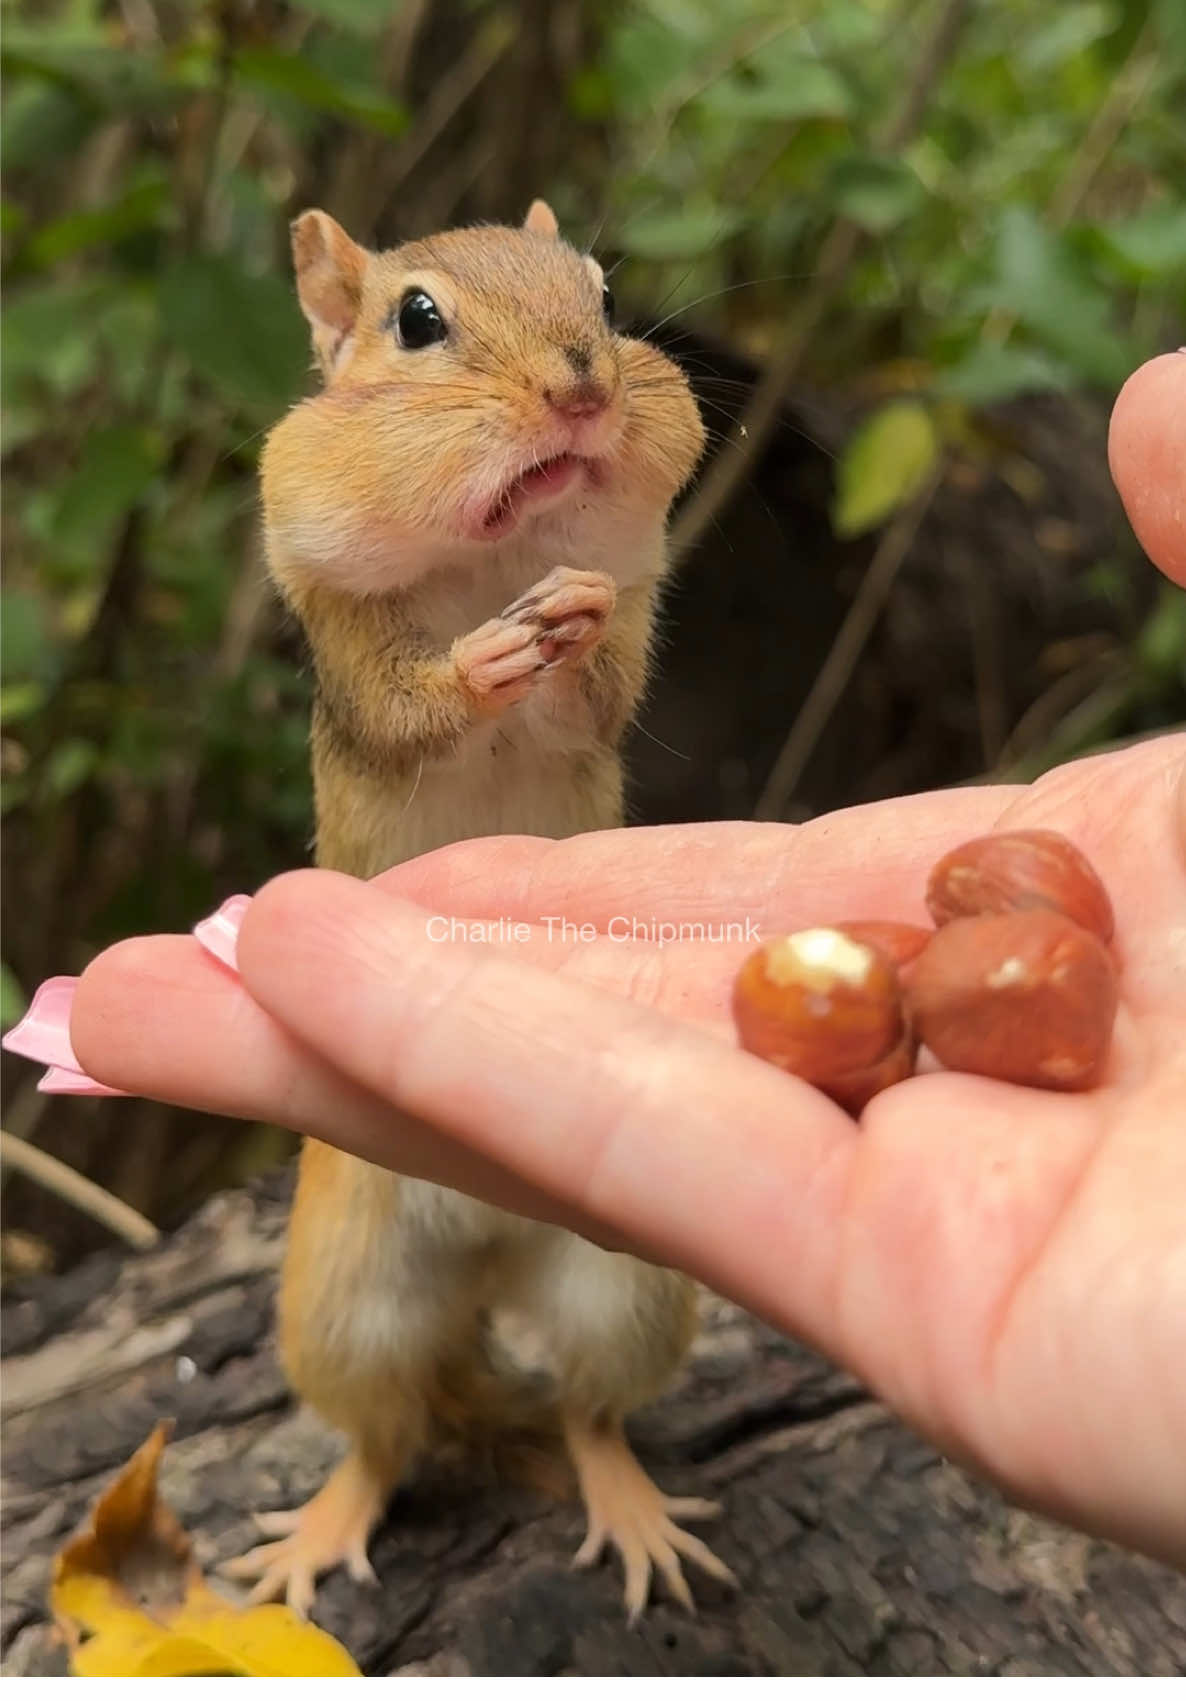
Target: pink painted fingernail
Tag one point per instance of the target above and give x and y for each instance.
(219, 931)
(73, 1081)
(43, 1032)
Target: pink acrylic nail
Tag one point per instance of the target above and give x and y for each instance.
(43, 1032)
(219, 931)
(73, 1081)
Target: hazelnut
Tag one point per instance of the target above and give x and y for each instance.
(827, 1008)
(853, 1091)
(1019, 871)
(901, 941)
(1027, 997)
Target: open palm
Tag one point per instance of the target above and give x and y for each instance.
(1006, 1266)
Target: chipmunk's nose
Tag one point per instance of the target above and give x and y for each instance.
(581, 394)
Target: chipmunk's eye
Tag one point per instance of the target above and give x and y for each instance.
(418, 322)
(607, 303)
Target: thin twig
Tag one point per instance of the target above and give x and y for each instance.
(25, 1110)
(77, 1190)
(733, 464)
(1104, 131)
(1126, 93)
(829, 683)
(459, 84)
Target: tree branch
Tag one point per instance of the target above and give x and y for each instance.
(829, 683)
(86, 1196)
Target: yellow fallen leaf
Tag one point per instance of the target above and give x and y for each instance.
(132, 1602)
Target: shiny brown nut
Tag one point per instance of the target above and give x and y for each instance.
(821, 1006)
(1019, 871)
(853, 1091)
(1028, 997)
(901, 941)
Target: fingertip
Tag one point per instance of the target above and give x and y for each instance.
(126, 994)
(287, 904)
(99, 1000)
(1147, 457)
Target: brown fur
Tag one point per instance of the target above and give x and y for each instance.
(374, 494)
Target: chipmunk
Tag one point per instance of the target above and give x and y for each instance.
(469, 521)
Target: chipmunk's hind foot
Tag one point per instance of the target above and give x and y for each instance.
(330, 1530)
(625, 1508)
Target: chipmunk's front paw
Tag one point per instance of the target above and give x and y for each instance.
(500, 662)
(571, 609)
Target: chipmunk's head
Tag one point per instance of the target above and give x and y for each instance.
(474, 389)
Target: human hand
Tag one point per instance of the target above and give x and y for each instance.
(1006, 1267)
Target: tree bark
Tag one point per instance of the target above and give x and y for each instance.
(857, 1547)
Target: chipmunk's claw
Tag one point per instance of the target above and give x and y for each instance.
(630, 1512)
(331, 1529)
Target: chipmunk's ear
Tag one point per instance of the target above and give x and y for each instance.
(329, 275)
(541, 220)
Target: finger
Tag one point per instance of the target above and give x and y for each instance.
(856, 1240)
(161, 1019)
(1147, 454)
(621, 1114)
(867, 861)
(690, 978)
(1123, 808)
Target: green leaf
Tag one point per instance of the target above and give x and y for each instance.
(679, 235)
(1161, 643)
(19, 701)
(796, 88)
(992, 372)
(591, 93)
(39, 121)
(361, 17)
(1072, 27)
(117, 465)
(13, 1002)
(140, 209)
(241, 333)
(296, 78)
(47, 332)
(649, 58)
(874, 192)
(1041, 280)
(68, 766)
(886, 462)
(1151, 244)
(83, 61)
(27, 649)
(13, 217)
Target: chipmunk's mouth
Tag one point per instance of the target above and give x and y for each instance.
(542, 480)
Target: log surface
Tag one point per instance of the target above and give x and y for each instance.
(858, 1548)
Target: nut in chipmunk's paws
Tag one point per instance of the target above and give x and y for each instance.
(571, 608)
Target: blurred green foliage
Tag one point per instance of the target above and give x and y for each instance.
(1030, 235)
